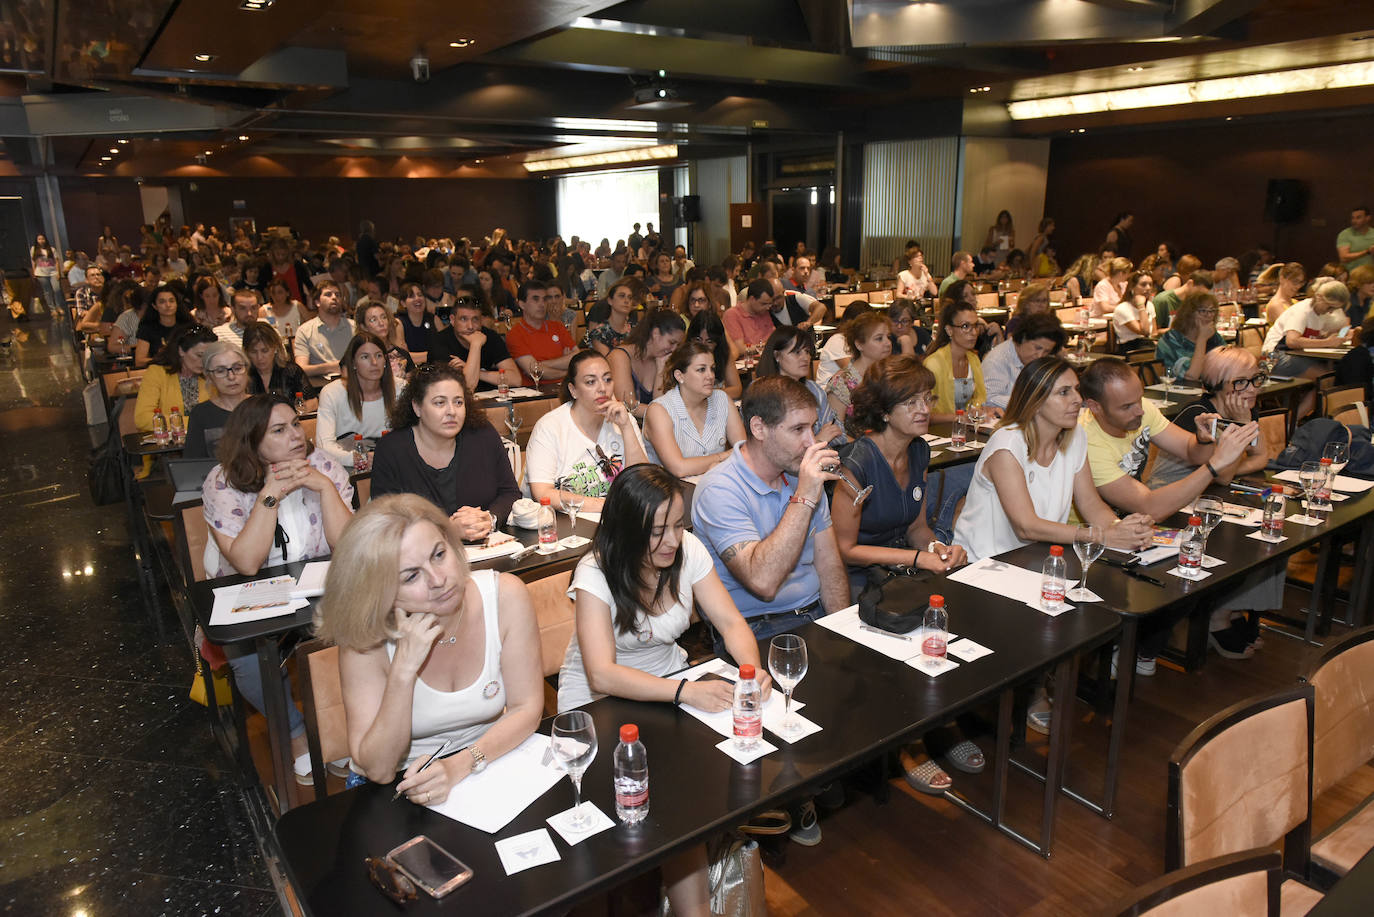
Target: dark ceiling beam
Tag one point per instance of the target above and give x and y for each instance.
(769, 21)
(1209, 17)
(827, 21)
(110, 114)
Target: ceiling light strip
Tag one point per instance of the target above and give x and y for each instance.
(609, 158)
(1310, 79)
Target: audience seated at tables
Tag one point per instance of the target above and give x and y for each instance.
(281, 311)
(494, 297)
(1134, 317)
(1187, 265)
(1120, 432)
(909, 337)
(358, 404)
(581, 445)
(707, 327)
(697, 296)
(373, 316)
(1037, 335)
(1034, 298)
(243, 311)
(442, 447)
(749, 323)
(1314, 322)
(637, 363)
(454, 347)
(1107, 293)
(693, 425)
(416, 323)
(208, 305)
(1361, 284)
(625, 294)
(789, 352)
(437, 299)
(1079, 279)
(795, 307)
(320, 342)
(168, 312)
(889, 529)
(635, 593)
(870, 339)
(98, 310)
(953, 358)
(536, 338)
(915, 282)
(176, 380)
(270, 500)
(272, 371)
(662, 279)
(1226, 282)
(1290, 278)
(1168, 302)
(1192, 333)
(226, 369)
(429, 651)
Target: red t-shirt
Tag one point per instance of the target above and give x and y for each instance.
(548, 342)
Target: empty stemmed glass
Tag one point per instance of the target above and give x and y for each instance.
(1339, 454)
(1311, 476)
(1088, 545)
(1169, 377)
(513, 422)
(787, 663)
(974, 411)
(1209, 510)
(574, 745)
(536, 372)
(859, 495)
(572, 502)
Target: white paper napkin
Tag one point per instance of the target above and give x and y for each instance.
(533, 848)
(806, 728)
(746, 757)
(562, 823)
(1054, 612)
(1305, 520)
(934, 666)
(1193, 575)
(1260, 536)
(967, 650)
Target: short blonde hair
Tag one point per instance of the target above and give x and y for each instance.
(1226, 363)
(358, 608)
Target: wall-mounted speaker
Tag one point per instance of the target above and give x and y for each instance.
(1285, 201)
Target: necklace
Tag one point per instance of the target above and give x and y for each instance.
(453, 638)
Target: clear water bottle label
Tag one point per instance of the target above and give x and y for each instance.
(631, 793)
(935, 644)
(1052, 593)
(748, 726)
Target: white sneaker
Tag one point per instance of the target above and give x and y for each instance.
(1143, 667)
(302, 769)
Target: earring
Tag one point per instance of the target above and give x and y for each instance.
(885, 418)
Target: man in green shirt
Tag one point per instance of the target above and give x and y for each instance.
(1354, 243)
(960, 267)
(1166, 303)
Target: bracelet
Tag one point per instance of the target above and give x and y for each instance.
(1215, 473)
(810, 504)
(677, 698)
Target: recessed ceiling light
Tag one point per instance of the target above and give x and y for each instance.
(204, 58)
(106, 158)
(255, 5)
(114, 149)
(462, 43)
(207, 152)
(121, 141)
(243, 136)
(478, 162)
(1136, 69)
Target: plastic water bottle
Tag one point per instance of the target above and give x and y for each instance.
(959, 437)
(1053, 579)
(548, 527)
(630, 767)
(160, 427)
(1192, 547)
(502, 386)
(748, 709)
(361, 456)
(300, 402)
(1321, 496)
(290, 331)
(935, 628)
(1085, 316)
(1274, 508)
(176, 426)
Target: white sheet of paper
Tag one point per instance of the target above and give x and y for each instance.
(746, 757)
(505, 788)
(477, 552)
(533, 848)
(1193, 575)
(1209, 561)
(261, 599)
(562, 823)
(967, 650)
(1001, 578)
(1260, 536)
(1156, 554)
(808, 727)
(1174, 389)
(311, 581)
(590, 517)
(846, 624)
(934, 666)
(1340, 482)
(933, 440)
(1252, 516)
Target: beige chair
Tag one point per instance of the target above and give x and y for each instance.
(362, 492)
(1252, 339)
(989, 300)
(1342, 743)
(1336, 399)
(1240, 885)
(553, 611)
(1353, 415)
(1273, 425)
(191, 534)
(1241, 780)
(326, 724)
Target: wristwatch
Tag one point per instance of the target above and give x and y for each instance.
(479, 760)
(269, 501)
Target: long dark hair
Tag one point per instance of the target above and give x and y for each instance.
(783, 339)
(182, 339)
(351, 384)
(948, 310)
(243, 434)
(574, 367)
(710, 322)
(403, 413)
(624, 540)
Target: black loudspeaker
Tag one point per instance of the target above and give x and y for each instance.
(691, 208)
(1285, 201)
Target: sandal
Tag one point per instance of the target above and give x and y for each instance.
(1039, 716)
(924, 777)
(966, 757)
(768, 823)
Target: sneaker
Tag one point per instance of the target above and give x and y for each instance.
(831, 796)
(806, 828)
(339, 768)
(1231, 642)
(1144, 666)
(301, 767)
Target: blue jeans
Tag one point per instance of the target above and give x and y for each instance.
(940, 515)
(248, 680)
(354, 779)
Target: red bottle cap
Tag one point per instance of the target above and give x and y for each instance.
(1056, 550)
(629, 733)
(937, 601)
(544, 501)
(1194, 520)
(299, 394)
(746, 671)
(959, 411)
(357, 437)
(1325, 460)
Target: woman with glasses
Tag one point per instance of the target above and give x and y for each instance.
(1133, 318)
(697, 297)
(1192, 332)
(953, 358)
(1290, 277)
(226, 368)
(358, 404)
(909, 337)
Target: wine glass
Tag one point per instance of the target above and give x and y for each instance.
(572, 502)
(513, 422)
(859, 495)
(574, 745)
(1209, 510)
(787, 663)
(1310, 475)
(1339, 454)
(974, 412)
(536, 372)
(1088, 545)
(1169, 377)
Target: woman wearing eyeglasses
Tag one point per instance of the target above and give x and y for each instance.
(953, 358)
(1192, 332)
(226, 369)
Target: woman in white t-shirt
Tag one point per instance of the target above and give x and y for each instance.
(1108, 292)
(627, 624)
(360, 403)
(916, 282)
(582, 445)
(1133, 318)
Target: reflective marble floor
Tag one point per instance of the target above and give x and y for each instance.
(114, 797)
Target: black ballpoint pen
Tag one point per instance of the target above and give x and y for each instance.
(1129, 568)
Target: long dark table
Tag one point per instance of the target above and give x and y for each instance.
(263, 634)
(1353, 895)
(866, 703)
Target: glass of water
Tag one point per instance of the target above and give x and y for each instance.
(787, 663)
(1209, 510)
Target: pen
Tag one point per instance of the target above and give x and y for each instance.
(437, 752)
(1132, 571)
(885, 633)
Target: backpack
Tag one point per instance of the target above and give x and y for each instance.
(1311, 438)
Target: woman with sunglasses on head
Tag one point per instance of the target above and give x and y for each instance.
(226, 369)
(788, 352)
(870, 339)
(581, 445)
(176, 381)
(707, 327)
(953, 358)
(635, 591)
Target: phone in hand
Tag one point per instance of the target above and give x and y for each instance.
(1344, 332)
(432, 868)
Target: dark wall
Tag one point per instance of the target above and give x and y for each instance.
(320, 207)
(1203, 188)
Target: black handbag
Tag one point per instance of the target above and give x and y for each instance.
(106, 474)
(894, 600)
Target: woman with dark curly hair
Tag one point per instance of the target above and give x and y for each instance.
(447, 453)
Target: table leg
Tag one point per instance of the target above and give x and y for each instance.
(278, 730)
(1002, 756)
(1321, 590)
(1361, 594)
(1125, 678)
(1061, 729)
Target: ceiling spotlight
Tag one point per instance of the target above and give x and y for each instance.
(121, 141)
(462, 43)
(106, 158)
(207, 152)
(243, 136)
(1081, 130)
(478, 162)
(204, 58)
(114, 149)
(662, 74)
(1135, 69)
(254, 6)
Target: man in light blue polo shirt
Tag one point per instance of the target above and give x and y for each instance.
(763, 515)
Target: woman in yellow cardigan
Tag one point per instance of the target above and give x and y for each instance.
(953, 360)
(176, 377)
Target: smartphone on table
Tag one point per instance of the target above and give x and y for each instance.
(433, 869)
